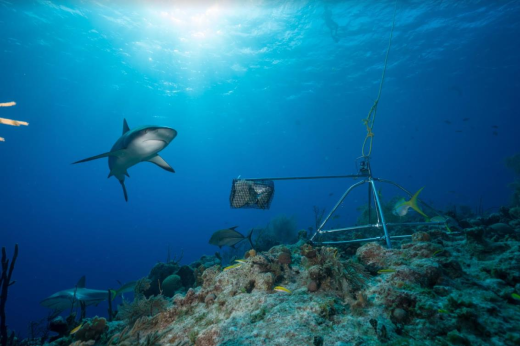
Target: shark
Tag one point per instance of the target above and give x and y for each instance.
(73, 297)
(141, 144)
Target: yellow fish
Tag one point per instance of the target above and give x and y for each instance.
(73, 331)
(442, 311)
(515, 296)
(241, 261)
(402, 206)
(238, 265)
(385, 271)
(282, 289)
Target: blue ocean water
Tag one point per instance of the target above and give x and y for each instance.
(254, 89)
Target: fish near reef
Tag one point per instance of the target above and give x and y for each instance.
(282, 289)
(125, 288)
(238, 265)
(141, 144)
(229, 237)
(401, 207)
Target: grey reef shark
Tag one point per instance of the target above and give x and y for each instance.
(141, 144)
(74, 297)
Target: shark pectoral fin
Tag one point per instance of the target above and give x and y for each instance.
(124, 189)
(117, 153)
(125, 127)
(159, 161)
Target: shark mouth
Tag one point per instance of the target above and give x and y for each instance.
(155, 140)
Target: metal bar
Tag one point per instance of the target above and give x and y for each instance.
(379, 225)
(353, 228)
(337, 206)
(363, 240)
(415, 223)
(303, 178)
(380, 210)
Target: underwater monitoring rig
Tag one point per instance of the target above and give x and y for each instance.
(258, 193)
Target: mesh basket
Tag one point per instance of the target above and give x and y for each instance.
(256, 194)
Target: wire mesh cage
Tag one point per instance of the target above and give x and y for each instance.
(253, 194)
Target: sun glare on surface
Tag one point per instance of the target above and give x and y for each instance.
(196, 22)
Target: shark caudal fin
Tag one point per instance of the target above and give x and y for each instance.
(413, 203)
(117, 153)
(124, 189)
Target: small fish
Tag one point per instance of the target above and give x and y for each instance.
(331, 194)
(447, 122)
(229, 237)
(495, 133)
(241, 261)
(465, 119)
(282, 289)
(386, 271)
(442, 311)
(515, 296)
(238, 265)
(494, 126)
(335, 217)
(402, 206)
(437, 252)
(459, 131)
(75, 330)
(127, 287)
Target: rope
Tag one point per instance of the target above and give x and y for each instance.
(370, 119)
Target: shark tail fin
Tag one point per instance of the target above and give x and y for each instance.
(249, 238)
(124, 189)
(113, 294)
(413, 203)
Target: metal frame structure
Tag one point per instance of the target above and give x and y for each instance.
(364, 173)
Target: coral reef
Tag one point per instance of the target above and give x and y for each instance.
(5, 283)
(435, 288)
(91, 330)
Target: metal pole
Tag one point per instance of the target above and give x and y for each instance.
(305, 178)
(369, 203)
(380, 211)
(337, 206)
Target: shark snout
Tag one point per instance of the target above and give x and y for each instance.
(165, 134)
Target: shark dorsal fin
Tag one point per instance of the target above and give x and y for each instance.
(125, 127)
(81, 282)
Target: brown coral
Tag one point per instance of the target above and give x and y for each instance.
(92, 330)
(284, 258)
